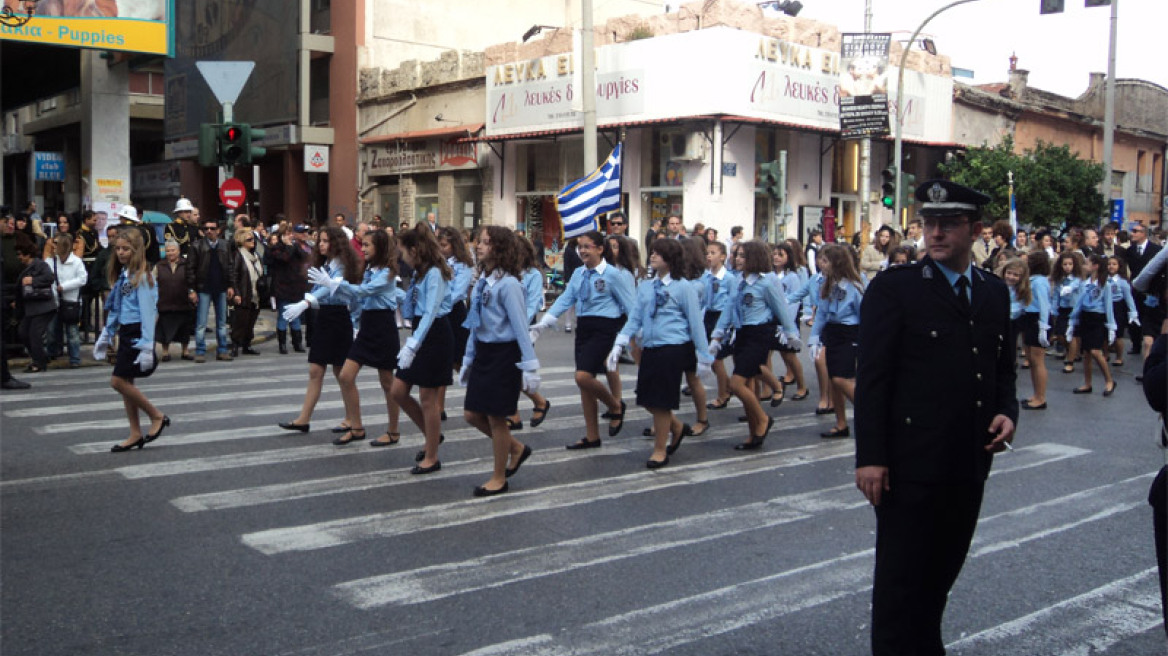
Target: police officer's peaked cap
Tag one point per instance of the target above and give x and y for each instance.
(945, 198)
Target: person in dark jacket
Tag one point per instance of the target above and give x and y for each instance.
(1156, 391)
(288, 265)
(176, 312)
(935, 399)
(38, 303)
(249, 268)
(10, 268)
(129, 216)
(210, 279)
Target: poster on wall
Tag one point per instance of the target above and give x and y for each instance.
(863, 89)
(145, 26)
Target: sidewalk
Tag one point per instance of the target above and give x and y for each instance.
(265, 330)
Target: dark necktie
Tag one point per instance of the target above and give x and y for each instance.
(962, 286)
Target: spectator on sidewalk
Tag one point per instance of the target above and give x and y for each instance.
(288, 265)
(38, 304)
(71, 278)
(176, 311)
(210, 279)
(249, 268)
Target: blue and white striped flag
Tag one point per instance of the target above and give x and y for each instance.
(582, 201)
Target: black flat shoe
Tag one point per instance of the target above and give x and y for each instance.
(481, 491)
(443, 415)
(394, 438)
(837, 432)
(1027, 405)
(674, 446)
(118, 448)
(303, 428)
(514, 425)
(583, 444)
(656, 464)
(755, 442)
(421, 454)
(800, 397)
(353, 437)
(418, 470)
(613, 431)
(1111, 390)
(536, 421)
(787, 383)
(1081, 390)
(154, 436)
(825, 411)
(690, 432)
(776, 402)
(339, 429)
(687, 391)
(719, 404)
(510, 471)
(648, 432)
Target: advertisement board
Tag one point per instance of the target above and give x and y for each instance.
(145, 26)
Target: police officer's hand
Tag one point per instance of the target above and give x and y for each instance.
(1002, 428)
(873, 482)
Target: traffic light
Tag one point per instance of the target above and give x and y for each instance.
(770, 177)
(252, 152)
(908, 189)
(231, 144)
(888, 187)
(208, 145)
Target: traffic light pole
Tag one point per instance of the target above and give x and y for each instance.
(899, 148)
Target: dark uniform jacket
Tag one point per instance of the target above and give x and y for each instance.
(182, 234)
(932, 375)
(200, 259)
(149, 241)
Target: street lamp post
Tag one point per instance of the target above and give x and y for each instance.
(899, 148)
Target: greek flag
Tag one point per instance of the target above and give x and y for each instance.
(580, 202)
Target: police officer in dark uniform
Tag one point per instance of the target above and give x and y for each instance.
(935, 400)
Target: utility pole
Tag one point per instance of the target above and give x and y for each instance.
(1109, 109)
(866, 153)
(588, 80)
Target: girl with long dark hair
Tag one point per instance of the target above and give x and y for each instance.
(1036, 326)
(1093, 320)
(532, 281)
(837, 328)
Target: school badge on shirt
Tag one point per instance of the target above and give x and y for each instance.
(599, 285)
(748, 299)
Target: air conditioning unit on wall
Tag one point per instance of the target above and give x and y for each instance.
(688, 147)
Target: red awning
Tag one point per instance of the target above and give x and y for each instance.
(456, 130)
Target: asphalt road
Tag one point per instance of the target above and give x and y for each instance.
(230, 536)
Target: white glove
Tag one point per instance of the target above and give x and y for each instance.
(1065, 291)
(101, 345)
(1133, 319)
(145, 359)
(405, 357)
(531, 381)
(356, 330)
(1070, 333)
(794, 342)
(321, 278)
(543, 324)
(1043, 340)
(464, 373)
(614, 357)
(292, 312)
(408, 323)
(705, 373)
(714, 348)
(816, 350)
(1110, 336)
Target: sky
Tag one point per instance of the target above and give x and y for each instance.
(1059, 50)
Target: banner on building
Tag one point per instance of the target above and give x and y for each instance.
(582, 201)
(316, 159)
(48, 166)
(141, 26)
(863, 89)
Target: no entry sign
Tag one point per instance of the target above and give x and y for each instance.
(232, 193)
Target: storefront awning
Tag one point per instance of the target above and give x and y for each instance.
(575, 130)
(452, 131)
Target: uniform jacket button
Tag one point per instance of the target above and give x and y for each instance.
(932, 333)
(908, 420)
(975, 350)
(979, 376)
(979, 404)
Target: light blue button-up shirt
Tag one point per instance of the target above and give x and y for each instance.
(533, 290)
(716, 287)
(459, 282)
(667, 312)
(1040, 299)
(1121, 289)
(1066, 293)
(757, 300)
(128, 304)
(841, 306)
(377, 290)
(428, 299)
(498, 314)
(325, 296)
(606, 291)
(1095, 298)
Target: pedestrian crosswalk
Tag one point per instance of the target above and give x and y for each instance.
(789, 518)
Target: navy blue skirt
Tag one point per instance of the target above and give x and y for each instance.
(659, 377)
(594, 340)
(1092, 330)
(752, 347)
(711, 322)
(461, 333)
(377, 342)
(495, 381)
(431, 365)
(840, 349)
(332, 336)
(124, 366)
(1028, 325)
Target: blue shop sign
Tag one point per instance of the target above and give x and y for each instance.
(49, 166)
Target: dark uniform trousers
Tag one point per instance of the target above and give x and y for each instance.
(932, 375)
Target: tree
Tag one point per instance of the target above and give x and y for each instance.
(1052, 186)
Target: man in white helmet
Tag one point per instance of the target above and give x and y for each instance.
(182, 230)
(129, 216)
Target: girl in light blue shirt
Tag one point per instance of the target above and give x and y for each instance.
(1036, 327)
(1066, 283)
(837, 327)
(1124, 303)
(787, 274)
(1093, 322)
(532, 281)
(133, 310)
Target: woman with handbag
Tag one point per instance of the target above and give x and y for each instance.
(71, 277)
(248, 271)
(39, 303)
(176, 313)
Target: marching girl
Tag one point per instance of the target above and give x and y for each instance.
(717, 286)
(133, 309)
(667, 313)
(1016, 275)
(1036, 326)
(808, 298)
(755, 311)
(453, 247)
(626, 255)
(600, 294)
(376, 344)
(1122, 299)
(424, 360)
(694, 256)
(837, 326)
(1093, 321)
(533, 292)
(500, 359)
(1066, 283)
(787, 271)
(332, 329)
